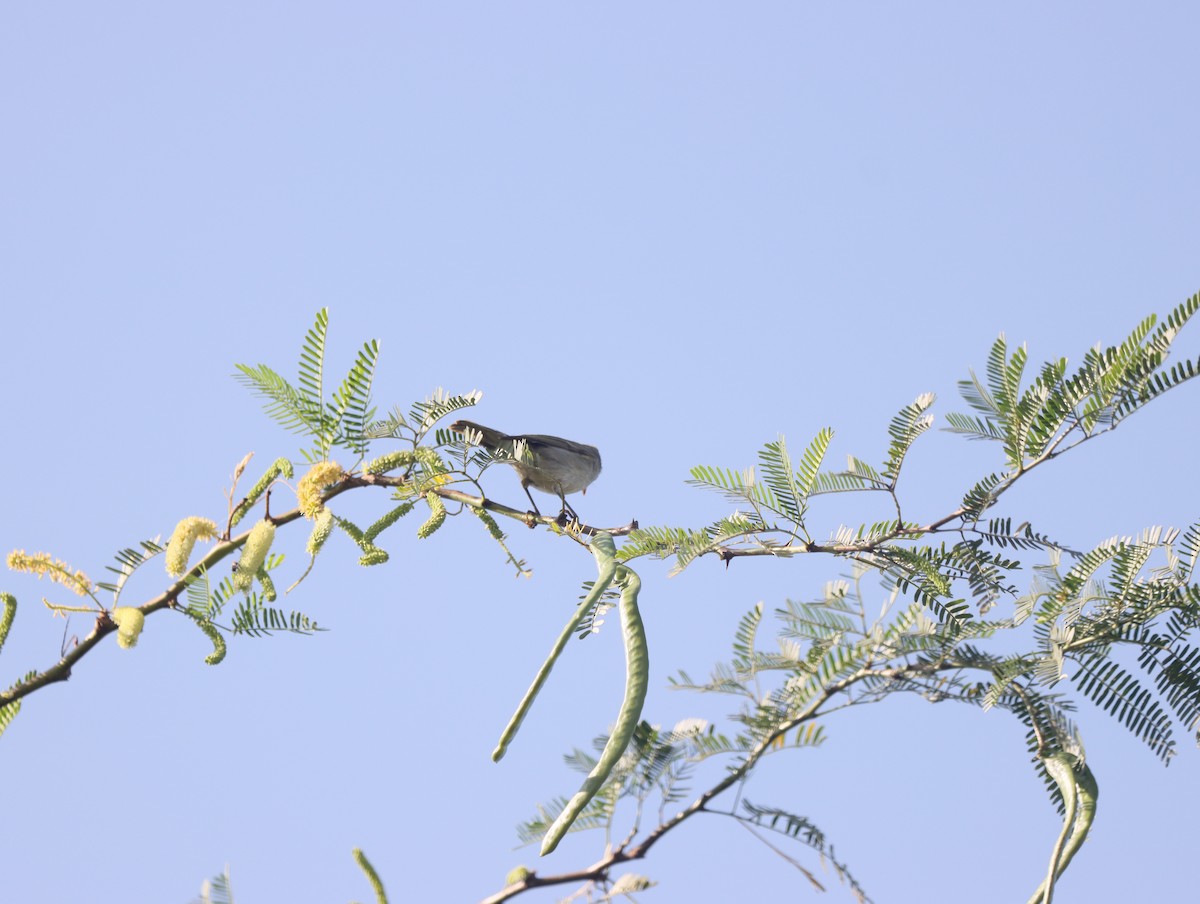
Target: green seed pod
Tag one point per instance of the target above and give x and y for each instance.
(129, 621)
(183, 539)
(254, 553)
(604, 551)
(437, 515)
(637, 679)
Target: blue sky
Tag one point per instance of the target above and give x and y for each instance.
(671, 230)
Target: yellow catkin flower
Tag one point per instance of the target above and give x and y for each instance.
(183, 539)
(60, 572)
(489, 522)
(9, 602)
(390, 462)
(254, 553)
(430, 459)
(218, 642)
(308, 490)
(437, 515)
(372, 876)
(322, 528)
(373, 556)
(268, 586)
(281, 467)
(129, 621)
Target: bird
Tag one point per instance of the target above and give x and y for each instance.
(550, 463)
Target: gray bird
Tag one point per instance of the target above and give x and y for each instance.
(552, 464)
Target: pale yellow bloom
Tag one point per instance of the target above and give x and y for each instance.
(254, 553)
(437, 515)
(129, 621)
(320, 532)
(308, 491)
(60, 572)
(183, 539)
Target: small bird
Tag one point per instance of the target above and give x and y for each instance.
(550, 463)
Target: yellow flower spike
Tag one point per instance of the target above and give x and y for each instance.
(254, 553)
(489, 522)
(437, 515)
(183, 539)
(218, 642)
(322, 528)
(308, 490)
(129, 621)
(390, 462)
(281, 467)
(373, 556)
(430, 459)
(58, 571)
(6, 618)
(268, 585)
(372, 876)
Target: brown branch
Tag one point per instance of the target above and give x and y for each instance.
(599, 871)
(601, 868)
(168, 599)
(726, 553)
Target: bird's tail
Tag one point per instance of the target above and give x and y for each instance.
(492, 439)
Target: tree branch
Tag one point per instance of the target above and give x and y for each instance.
(168, 599)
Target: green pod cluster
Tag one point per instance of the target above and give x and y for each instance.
(637, 679)
(1079, 790)
(604, 551)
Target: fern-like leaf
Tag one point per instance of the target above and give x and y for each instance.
(908, 424)
(1121, 695)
